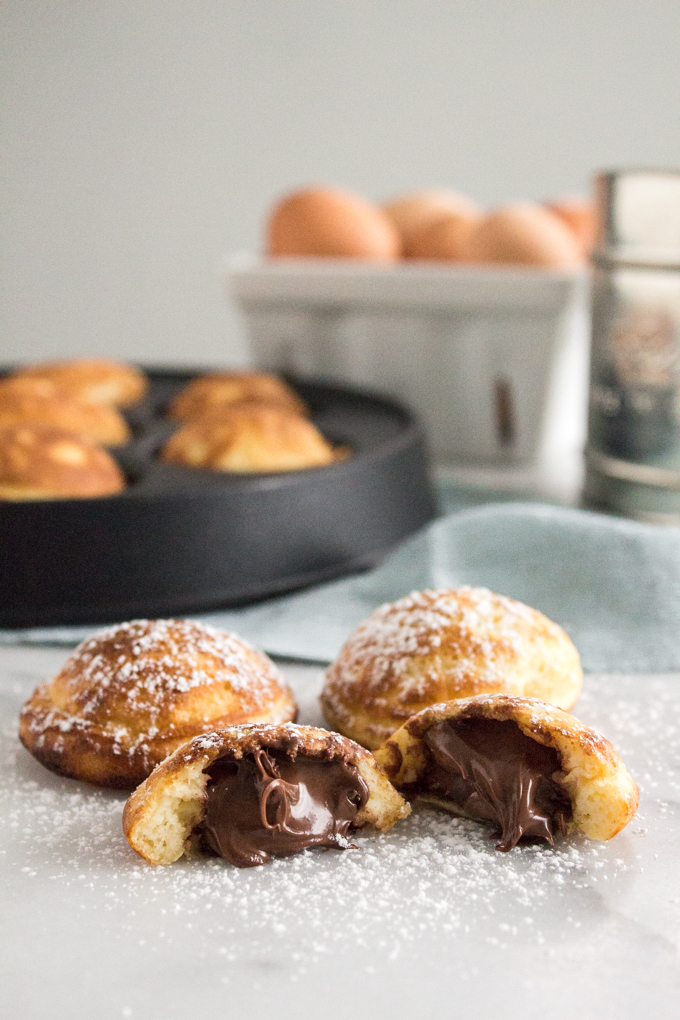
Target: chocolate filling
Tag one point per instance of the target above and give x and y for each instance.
(490, 771)
(268, 804)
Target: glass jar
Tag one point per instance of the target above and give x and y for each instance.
(633, 451)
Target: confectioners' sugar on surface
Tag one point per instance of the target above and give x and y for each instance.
(431, 891)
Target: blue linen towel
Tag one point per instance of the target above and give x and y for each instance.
(614, 585)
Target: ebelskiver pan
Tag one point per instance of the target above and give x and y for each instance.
(181, 540)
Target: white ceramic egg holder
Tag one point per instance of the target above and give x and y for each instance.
(493, 359)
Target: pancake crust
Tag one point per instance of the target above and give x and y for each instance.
(102, 423)
(220, 389)
(249, 437)
(41, 462)
(92, 380)
(432, 646)
(160, 815)
(129, 696)
(603, 795)
(28, 385)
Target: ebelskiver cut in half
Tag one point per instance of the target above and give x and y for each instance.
(250, 793)
(532, 770)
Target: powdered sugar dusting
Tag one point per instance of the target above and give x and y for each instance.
(477, 624)
(161, 657)
(143, 667)
(131, 685)
(433, 878)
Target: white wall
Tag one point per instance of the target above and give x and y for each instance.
(143, 139)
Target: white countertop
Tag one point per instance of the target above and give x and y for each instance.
(427, 920)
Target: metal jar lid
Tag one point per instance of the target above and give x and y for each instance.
(638, 217)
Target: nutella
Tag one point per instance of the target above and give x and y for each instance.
(269, 804)
(489, 770)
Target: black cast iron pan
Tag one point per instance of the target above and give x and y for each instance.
(181, 540)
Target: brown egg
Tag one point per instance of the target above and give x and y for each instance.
(580, 216)
(413, 214)
(330, 223)
(525, 234)
(447, 239)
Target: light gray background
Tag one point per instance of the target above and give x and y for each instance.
(144, 140)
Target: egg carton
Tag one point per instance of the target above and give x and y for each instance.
(494, 359)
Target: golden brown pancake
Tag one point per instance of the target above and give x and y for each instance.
(132, 694)
(92, 380)
(42, 462)
(249, 437)
(168, 815)
(529, 768)
(102, 423)
(29, 386)
(220, 389)
(433, 646)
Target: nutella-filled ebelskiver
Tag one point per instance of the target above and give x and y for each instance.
(249, 793)
(529, 768)
(266, 805)
(488, 770)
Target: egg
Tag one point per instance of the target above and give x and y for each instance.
(330, 223)
(579, 214)
(414, 213)
(526, 234)
(446, 239)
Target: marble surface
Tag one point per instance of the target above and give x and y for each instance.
(426, 921)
